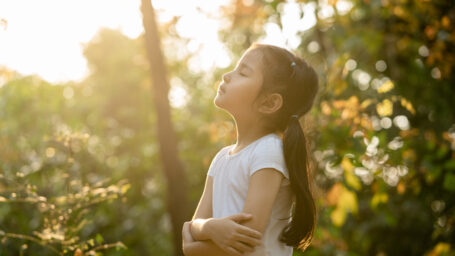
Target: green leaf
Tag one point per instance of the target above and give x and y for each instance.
(99, 239)
(449, 182)
(120, 245)
(442, 151)
(450, 164)
(390, 218)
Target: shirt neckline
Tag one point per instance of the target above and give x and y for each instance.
(228, 155)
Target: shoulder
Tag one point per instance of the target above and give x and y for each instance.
(222, 152)
(271, 144)
(216, 161)
(268, 153)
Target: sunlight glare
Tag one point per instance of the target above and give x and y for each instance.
(46, 37)
(49, 41)
(292, 25)
(178, 96)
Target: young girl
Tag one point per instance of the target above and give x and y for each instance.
(257, 198)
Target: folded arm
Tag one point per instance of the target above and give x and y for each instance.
(262, 190)
(198, 242)
(203, 211)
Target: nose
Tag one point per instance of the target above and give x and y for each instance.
(227, 77)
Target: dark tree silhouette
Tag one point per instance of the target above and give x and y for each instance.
(177, 201)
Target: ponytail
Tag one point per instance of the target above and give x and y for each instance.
(299, 232)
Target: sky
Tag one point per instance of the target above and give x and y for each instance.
(46, 37)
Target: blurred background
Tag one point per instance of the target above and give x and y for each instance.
(107, 129)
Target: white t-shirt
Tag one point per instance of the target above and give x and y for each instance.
(231, 174)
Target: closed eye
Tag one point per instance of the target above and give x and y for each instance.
(241, 72)
(242, 67)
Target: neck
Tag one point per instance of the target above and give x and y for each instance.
(248, 131)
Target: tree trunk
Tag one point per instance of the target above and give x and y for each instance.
(177, 202)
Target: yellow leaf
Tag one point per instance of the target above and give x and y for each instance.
(348, 201)
(377, 199)
(401, 188)
(440, 249)
(91, 242)
(334, 194)
(338, 216)
(351, 179)
(407, 105)
(366, 103)
(346, 164)
(385, 87)
(325, 108)
(445, 21)
(385, 108)
(125, 188)
(333, 2)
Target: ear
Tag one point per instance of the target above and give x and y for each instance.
(270, 103)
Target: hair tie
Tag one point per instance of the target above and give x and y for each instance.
(293, 64)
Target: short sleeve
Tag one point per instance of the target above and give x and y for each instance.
(213, 164)
(269, 154)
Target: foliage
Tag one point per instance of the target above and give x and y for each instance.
(48, 191)
(383, 129)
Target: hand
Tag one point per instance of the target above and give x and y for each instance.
(186, 235)
(231, 236)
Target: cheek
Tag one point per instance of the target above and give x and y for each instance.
(238, 97)
(247, 94)
(242, 102)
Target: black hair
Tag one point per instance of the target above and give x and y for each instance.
(297, 82)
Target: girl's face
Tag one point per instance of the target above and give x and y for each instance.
(239, 88)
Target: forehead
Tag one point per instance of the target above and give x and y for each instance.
(251, 58)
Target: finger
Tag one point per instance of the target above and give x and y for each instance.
(240, 217)
(239, 246)
(249, 232)
(233, 251)
(186, 232)
(248, 240)
(185, 227)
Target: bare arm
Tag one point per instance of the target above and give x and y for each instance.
(203, 211)
(206, 248)
(262, 190)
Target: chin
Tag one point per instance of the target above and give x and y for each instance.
(220, 104)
